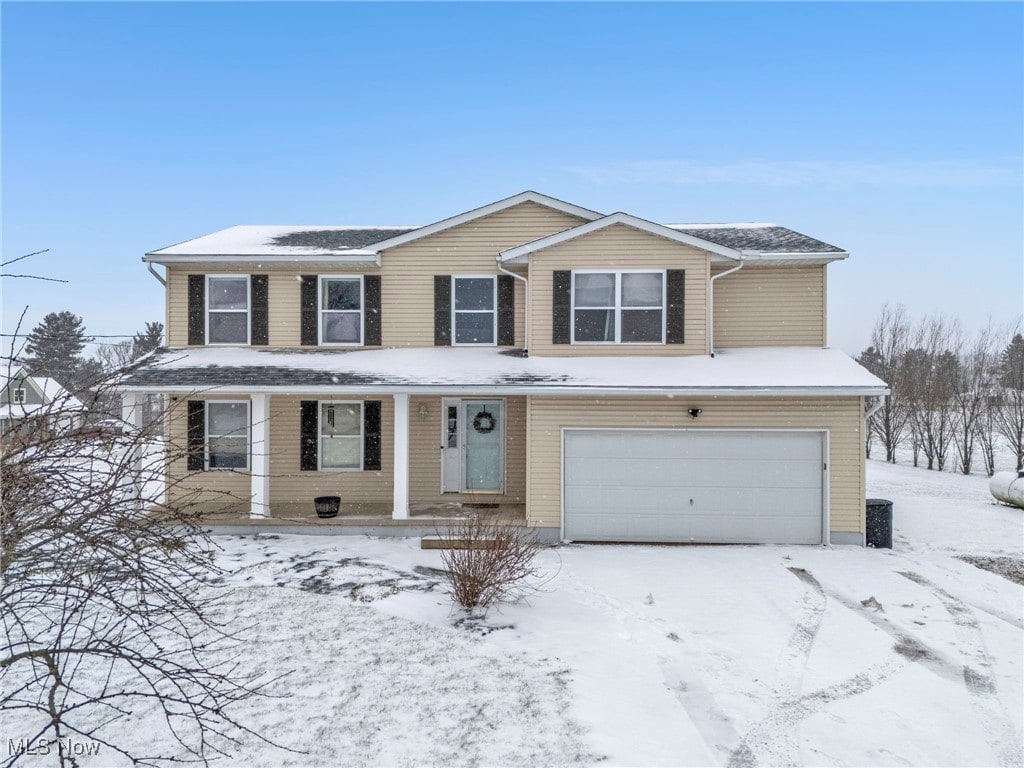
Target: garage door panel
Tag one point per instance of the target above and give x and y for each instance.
(693, 485)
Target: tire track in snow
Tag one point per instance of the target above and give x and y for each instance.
(698, 702)
(774, 740)
(979, 679)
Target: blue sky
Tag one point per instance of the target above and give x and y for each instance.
(892, 130)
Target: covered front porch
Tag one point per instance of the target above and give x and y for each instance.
(390, 459)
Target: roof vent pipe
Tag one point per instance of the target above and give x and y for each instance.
(526, 303)
(711, 304)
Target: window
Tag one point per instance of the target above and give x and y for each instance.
(618, 307)
(227, 304)
(227, 434)
(341, 435)
(20, 395)
(341, 310)
(473, 315)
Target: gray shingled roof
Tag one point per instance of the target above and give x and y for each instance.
(765, 238)
(337, 239)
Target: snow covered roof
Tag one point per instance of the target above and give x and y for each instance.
(435, 370)
(50, 390)
(360, 244)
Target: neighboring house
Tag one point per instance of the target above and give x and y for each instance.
(30, 403)
(605, 377)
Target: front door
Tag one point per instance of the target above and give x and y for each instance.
(473, 443)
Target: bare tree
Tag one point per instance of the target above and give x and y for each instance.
(104, 611)
(1008, 417)
(972, 388)
(885, 359)
(932, 365)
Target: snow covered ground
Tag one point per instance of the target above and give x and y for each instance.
(650, 655)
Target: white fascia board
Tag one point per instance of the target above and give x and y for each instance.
(811, 258)
(522, 251)
(487, 210)
(509, 391)
(361, 256)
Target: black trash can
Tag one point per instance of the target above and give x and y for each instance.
(327, 506)
(879, 520)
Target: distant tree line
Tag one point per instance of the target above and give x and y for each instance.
(954, 396)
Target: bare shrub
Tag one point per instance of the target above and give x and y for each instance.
(490, 560)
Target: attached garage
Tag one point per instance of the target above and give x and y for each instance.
(699, 485)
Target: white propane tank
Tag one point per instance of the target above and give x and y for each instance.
(1008, 487)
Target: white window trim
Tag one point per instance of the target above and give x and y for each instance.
(493, 310)
(248, 311)
(617, 308)
(320, 435)
(320, 311)
(207, 435)
(20, 396)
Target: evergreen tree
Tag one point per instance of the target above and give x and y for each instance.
(1011, 364)
(54, 349)
(146, 341)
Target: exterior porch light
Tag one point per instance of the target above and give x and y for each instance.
(423, 412)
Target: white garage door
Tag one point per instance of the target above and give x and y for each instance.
(693, 485)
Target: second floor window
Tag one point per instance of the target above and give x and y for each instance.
(473, 315)
(618, 307)
(227, 309)
(341, 310)
(19, 395)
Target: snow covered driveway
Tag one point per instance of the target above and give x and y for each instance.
(650, 655)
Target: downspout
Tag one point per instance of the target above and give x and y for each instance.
(154, 273)
(526, 304)
(875, 408)
(711, 304)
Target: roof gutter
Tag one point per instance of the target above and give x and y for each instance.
(711, 301)
(526, 303)
(154, 273)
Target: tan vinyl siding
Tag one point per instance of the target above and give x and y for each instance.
(282, 301)
(618, 247)
(407, 282)
(842, 417)
(767, 306)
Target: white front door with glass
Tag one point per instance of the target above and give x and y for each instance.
(473, 446)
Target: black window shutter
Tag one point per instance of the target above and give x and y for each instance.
(197, 309)
(309, 439)
(196, 435)
(676, 292)
(506, 311)
(258, 286)
(371, 434)
(371, 310)
(308, 319)
(442, 310)
(561, 306)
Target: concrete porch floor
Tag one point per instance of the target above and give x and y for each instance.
(424, 519)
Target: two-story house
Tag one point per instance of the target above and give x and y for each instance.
(605, 377)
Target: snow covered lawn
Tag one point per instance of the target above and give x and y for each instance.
(651, 655)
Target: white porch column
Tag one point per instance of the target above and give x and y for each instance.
(131, 414)
(401, 511)
(259, 463)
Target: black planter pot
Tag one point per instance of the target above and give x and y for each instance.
(327, 506)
